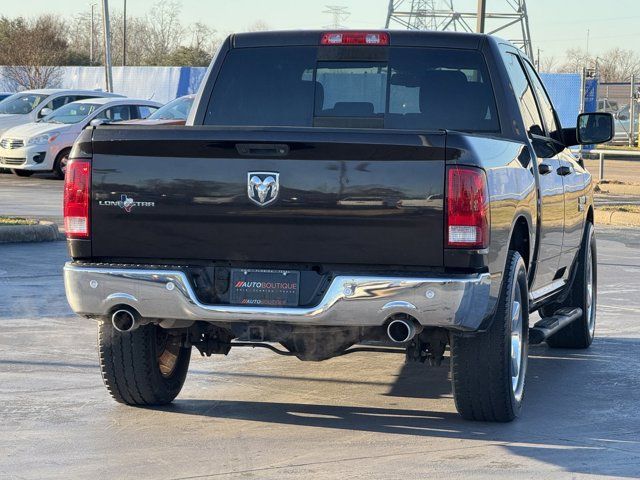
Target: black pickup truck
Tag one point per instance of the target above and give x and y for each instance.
(336, 192)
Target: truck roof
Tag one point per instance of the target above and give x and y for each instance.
(404, 38)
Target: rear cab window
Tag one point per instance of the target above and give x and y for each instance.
(411, 88)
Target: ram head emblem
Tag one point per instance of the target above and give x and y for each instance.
(263, 187)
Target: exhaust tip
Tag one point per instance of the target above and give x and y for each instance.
(401, 331)
(124, 320)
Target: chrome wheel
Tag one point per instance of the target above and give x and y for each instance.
(591, 295)
(518, 360)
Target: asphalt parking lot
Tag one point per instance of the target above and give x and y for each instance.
(39, 196)
(256, 415)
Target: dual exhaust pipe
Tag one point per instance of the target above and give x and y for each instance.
(399, 330)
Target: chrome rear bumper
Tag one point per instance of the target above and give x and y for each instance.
(455, 301)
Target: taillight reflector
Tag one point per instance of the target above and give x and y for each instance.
(467, 208)
(355, 38)
(77, 196)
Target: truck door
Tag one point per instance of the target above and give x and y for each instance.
(547, 163)
(574, 177)
(575, 180)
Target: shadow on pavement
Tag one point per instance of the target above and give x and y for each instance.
(581, 410)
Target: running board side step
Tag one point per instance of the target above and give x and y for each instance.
(550, 325)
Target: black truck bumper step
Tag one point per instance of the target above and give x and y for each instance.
(550, 325)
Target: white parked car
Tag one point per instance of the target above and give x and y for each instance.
(32, 105)
(45, 145)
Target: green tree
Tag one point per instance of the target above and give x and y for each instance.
(188, 56)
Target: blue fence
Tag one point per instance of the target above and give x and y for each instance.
(152, 83)
(564, 90)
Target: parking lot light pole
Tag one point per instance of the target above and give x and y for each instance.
(107, 45)
(124, 34)
(632, 112)
(92, 35)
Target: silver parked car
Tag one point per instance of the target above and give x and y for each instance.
(32, 105)
(45, 145)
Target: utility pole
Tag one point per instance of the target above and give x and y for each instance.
(632, 112)
(482, 11)
(92, 35)
(588, 33)
(124, 35)
(538, 60)
(106, 27)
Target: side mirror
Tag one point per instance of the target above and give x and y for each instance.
(45, 111)
(96, 122)
(594, 128)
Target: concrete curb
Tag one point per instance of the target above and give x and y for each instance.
(41, 232)
(616, 218)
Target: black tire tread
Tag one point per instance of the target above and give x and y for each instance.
(576, 334)
(479, 363)
(130, 370)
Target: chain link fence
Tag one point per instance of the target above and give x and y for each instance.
(622, 100)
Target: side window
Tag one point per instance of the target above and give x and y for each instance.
(144, 111)
(545, 102)
(524, 94)
(115, 114)
(58, 102)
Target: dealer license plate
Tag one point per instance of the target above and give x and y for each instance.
(279, 288)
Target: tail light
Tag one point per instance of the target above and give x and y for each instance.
(77, 195)
(467, 208)
(355, 38)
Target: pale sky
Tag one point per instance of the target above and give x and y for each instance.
(556, 25)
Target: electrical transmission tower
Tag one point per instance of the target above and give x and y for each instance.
(339, 14)
(442, 15)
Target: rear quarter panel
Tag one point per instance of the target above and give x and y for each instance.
(512, 192)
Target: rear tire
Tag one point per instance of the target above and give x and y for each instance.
(583, 294)
(488, 369)
(146, 366)
(21, 173)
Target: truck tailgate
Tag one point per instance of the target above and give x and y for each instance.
(353, 197)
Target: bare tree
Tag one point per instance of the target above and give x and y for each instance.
(575, 60)
(204, 38)
(618, 65)
(157, 38)
(32, 52)
(615, 65)
(259, 26)
(164, 33)
(548, 64)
